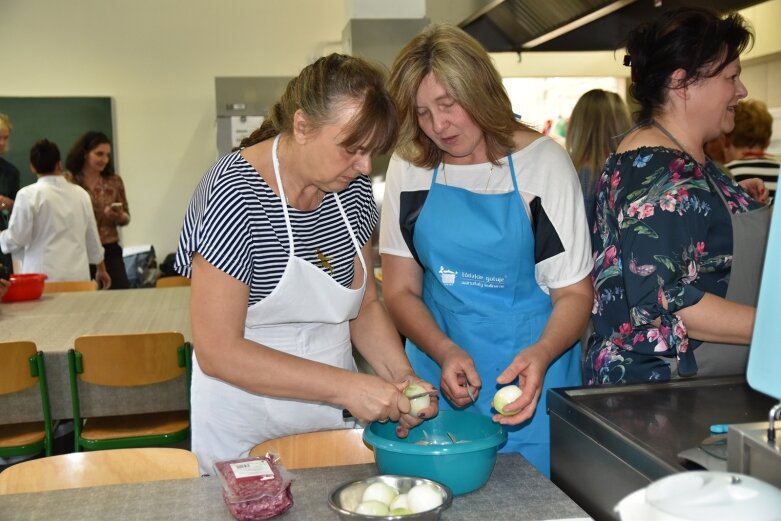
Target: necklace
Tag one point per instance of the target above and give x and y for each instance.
(320, 197)
(487, 181)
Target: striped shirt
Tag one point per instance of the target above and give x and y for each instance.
(765, 168)
(236, 223)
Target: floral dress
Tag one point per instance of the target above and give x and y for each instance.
(661, 230)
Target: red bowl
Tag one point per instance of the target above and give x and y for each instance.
(24, 286)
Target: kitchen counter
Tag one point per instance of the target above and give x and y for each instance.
(516, 491)
(609, 441)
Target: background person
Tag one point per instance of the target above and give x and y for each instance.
(53, 224)
(677, 243)
(89, 165)
(596, 126)
(745, 147)
(9, 183)
(484, 241)
(276, 241)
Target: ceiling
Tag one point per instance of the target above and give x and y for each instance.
(571, 25)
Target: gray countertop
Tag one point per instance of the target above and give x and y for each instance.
(516, 491)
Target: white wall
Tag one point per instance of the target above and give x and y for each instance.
(158, 59)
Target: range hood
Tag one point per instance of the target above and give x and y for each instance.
(571, 25)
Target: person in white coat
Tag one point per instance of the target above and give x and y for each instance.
(52, 224)
(276, 242)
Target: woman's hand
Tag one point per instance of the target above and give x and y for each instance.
(4, 285)
(370, 398)
(458, 369)
(6, 203)
(116, 213)
(407, 421)
(529, 368)
(755, 187)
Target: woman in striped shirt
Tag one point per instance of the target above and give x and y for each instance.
(276, 241)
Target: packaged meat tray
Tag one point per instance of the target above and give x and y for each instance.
(255, 488)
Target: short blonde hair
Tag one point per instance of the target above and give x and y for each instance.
(464, 69)
(5, 121)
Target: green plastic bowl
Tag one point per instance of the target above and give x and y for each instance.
(456, 448)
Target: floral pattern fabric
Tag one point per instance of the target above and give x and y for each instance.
(662, 232)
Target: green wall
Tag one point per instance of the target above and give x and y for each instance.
(61, 120)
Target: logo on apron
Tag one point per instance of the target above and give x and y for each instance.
(448, 276)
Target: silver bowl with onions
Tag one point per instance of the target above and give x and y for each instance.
(346, 498)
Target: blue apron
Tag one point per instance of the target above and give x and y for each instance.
(477, 251)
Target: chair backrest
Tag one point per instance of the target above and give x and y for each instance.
(96, 468)
(171, 282)
(130, 359)
(70, 285)
(15, 373)
(318, 449)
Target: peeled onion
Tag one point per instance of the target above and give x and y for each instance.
(417, 404)
(379, 492)
(372, 508)
(423, 497)
(504, 396)
(399, 503)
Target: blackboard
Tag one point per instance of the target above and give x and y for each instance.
(61, 120)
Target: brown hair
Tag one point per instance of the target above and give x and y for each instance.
(753, 125)
(321, 88)
(596, 126)
(461, 65)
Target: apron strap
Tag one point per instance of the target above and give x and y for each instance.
(275, 160)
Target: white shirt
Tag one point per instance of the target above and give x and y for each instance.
(548, 186)
(53, 227)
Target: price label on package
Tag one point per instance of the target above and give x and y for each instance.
(253, 469)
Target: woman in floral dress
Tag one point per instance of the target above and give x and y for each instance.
(676, 268)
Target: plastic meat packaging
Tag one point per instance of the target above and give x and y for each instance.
(255, 488)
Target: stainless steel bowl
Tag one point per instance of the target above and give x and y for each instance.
(345, 498)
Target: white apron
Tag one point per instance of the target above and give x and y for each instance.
(306, 315)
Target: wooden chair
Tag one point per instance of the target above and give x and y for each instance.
(105, 467)
(318, 449)
(70, 285)
(128, 360)
(171, 282)
(22, 367)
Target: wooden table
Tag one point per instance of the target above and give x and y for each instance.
(515, 491)
(55, 320)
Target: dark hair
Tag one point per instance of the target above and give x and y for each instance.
(321, 88)
(44, 156)
(86, 143)
(693, 39)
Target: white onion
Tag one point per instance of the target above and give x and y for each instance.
(504, 396)
(399, 502)
(423, 497)
(417, 404)
(381, 492)
(372, 508)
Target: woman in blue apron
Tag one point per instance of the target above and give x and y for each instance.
(678, 245)
(484, 240)
(276, 240)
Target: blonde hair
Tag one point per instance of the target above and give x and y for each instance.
(753, 125)
(5, 121)
(598, 121)
(464, 69)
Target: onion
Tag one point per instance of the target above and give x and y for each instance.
(504, 396)
(372, 508)
(380, 492)
(417, 404)
(399, 503)
(423, 497)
